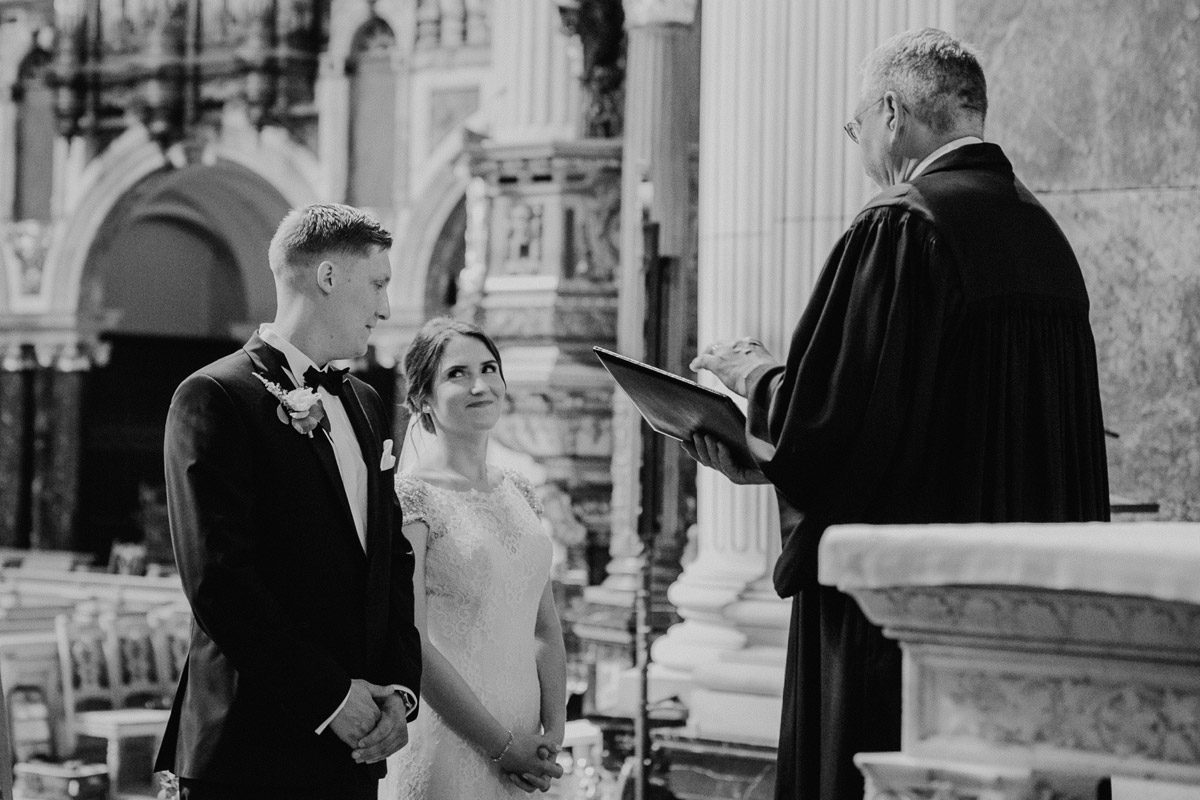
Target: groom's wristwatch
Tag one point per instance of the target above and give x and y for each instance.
(409, 697)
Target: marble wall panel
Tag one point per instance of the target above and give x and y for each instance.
(1092, 93)
(1097, 103)
(1140, 253)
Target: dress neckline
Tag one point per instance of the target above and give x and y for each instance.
(504, 478)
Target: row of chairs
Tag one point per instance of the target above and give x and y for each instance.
(119, 672)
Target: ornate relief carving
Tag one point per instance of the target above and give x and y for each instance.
(894, 776)
(1116, 717)
(599, 24)
(596, 234)
(1084, 618)
(25, 244)
(549, 432)
(523, 242)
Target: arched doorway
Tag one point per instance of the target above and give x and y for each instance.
(447, 263)
(178, 277)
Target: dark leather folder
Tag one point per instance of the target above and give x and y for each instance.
(677, 407)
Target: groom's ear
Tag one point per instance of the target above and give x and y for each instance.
(326, 276)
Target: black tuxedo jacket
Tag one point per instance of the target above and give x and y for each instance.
(286, 606)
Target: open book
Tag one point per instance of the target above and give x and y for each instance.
(678, 407)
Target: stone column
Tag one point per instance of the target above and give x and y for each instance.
(57, 447)
(779, 181)
(17, 370)
(535, 95)
(661, 126)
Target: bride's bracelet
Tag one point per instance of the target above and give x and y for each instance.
(507, 745)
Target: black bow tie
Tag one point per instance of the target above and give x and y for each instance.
(331, 380)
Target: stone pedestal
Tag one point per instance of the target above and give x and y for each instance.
(1039, 660)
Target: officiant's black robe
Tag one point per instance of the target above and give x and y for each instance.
(944, 370)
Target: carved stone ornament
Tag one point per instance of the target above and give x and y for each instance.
(599, 24)
(597, 233)
(1080, 618)
(1062, 712)
(25, 244)
(523, 245)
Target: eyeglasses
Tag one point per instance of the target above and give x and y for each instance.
(855, 125)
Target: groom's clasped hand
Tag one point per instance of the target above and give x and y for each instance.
(372, 723)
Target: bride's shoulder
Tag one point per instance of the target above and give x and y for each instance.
(525, 487)
(415, 499)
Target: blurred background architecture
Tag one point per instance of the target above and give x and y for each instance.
(536, 161)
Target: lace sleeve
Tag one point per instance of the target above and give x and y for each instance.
(417, 504)
(527, 491)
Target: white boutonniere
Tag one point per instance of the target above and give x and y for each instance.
(300, 408)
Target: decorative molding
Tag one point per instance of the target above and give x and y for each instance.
(1132, 625)
(644, 13)
(23, 248)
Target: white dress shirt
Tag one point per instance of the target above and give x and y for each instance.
(350, 461)
(351, 464)
(948, 147)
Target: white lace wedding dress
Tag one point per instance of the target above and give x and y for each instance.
(486, 564)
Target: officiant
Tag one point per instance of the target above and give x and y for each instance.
(944, 370)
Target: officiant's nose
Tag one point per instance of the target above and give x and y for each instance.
(384, 308)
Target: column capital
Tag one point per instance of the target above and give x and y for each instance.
(645, 13)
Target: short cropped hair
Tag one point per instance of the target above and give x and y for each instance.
(424, 357)
(938, 78)
(313, 232)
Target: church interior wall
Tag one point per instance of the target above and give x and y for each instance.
(1098, 105)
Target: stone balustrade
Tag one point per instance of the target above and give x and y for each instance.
(1040, 661)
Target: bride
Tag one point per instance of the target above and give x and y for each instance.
(494, 665)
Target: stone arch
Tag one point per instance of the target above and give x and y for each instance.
(272, 164)
(183, 253)
(442, 199)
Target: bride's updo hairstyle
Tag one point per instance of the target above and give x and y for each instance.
(424, 359)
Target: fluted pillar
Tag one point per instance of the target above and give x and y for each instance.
(660, 132)
(535, 94)
(779, 181)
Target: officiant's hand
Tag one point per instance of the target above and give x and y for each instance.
(732, 362)
(358, 716)
(711, 452)
(390, 734)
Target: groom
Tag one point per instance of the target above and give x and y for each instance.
(304, 659)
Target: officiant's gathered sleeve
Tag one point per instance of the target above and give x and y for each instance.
(944, 370)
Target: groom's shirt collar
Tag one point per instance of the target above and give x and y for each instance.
(296, 362)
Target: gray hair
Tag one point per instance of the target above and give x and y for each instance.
(323, 229)
(937, 77)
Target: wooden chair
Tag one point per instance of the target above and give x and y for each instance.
(171, 634)
(107, 662)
